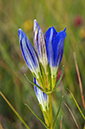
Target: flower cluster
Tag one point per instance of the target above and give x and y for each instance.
(44, 58)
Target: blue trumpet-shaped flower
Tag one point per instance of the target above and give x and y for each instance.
(41, 96)
(40, 44)
(45, 58)
(28, 52)
(54, 47)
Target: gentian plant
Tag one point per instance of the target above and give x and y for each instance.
(43, 60)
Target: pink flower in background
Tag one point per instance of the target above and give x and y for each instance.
(59, 75)
(78, 20)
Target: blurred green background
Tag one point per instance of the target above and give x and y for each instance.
(16, 14)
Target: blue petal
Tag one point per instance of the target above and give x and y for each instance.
(54, 45)
(58, 46)
(28, 52)
(45, 96)
(39, 42)
(41, 96)
(35, 88)
(50, 35)
(35, 37)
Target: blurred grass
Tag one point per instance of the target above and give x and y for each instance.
(20, 14)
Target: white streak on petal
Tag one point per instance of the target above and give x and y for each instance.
(29, 53)
(51, 49)
(40, 45)
(43, 101)
(29, 59)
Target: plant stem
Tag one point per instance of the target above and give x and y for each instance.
(50, 113)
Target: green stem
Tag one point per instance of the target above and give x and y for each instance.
(50, 113)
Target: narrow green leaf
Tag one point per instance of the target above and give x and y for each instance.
(77, 104)
(14, 110)
(58, 110)
(60, 77)
(36, 116)
(32, 82)
(47, 92)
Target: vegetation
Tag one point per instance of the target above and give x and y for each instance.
(13, 84)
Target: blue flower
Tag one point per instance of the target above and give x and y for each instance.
(54, 47)
(29, 53)
(40, 44)
(41, 96)
(45, 57)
